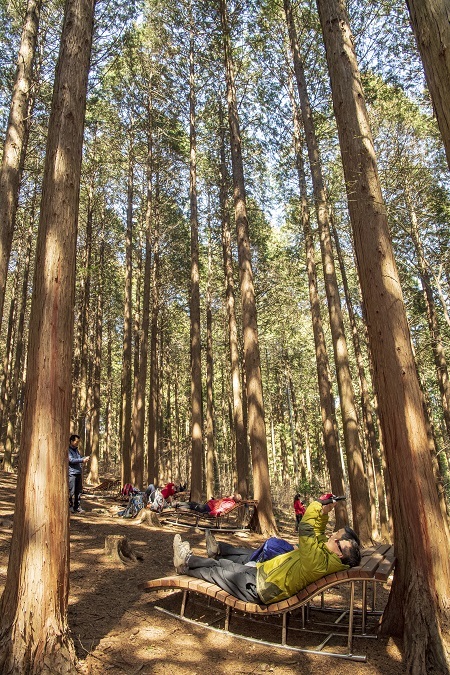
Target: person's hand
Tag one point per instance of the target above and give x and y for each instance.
(329, 498)
(86, 459)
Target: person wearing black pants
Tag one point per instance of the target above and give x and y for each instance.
(76, 462)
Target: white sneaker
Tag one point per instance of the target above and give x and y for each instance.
(212, 546)
(181, 553)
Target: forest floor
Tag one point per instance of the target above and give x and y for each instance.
(117, 629)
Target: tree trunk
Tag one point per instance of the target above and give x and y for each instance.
(7, 360)
(373, 459)
(420, 595)
(34, 636)
(126, 380)
(97, 371)
(330, 438)
(85, 313)
(15, 379)
(152, 437)
(356, 475)
(238, 415)
(440, 360)
(196, 363)
(252, 360)
(431, 26)
(139, 400)
(209, 383)
(16, 140)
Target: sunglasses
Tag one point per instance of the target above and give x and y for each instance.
(338, 543)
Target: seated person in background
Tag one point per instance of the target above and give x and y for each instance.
(214, 507)
(286, 574)
(167, 492)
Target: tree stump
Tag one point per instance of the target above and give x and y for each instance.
(148, 517)
(119, 549)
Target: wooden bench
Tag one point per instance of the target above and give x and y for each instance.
(191, 518)
(377, 564)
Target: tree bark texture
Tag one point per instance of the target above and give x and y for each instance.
(431, 25)
(196, 361)
(252, 360)
(240, 431)
(18, 358)
(355, 464)
(34, 635)
(96, 373)
(152, 432)
(420, 597)
(330, 438)
(209, 384)
(16, 139)
(373, 460)
(126, 381)
(139, 398)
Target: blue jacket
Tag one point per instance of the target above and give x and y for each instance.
(75, 461)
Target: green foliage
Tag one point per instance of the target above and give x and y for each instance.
(309, 489)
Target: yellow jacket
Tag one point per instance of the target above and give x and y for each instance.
(286, 574)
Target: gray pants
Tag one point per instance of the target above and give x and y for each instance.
(238, 554)
(232, 577)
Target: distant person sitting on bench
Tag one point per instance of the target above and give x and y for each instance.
(214, 507)
(286, 574)
(167, 492)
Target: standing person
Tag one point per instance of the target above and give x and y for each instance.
(299, 509)
(76, 462)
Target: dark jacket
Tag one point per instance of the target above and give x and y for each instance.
(75, 461)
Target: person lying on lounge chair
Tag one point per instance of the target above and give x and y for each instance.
(286, 574)
(269, 549)
(213, 507)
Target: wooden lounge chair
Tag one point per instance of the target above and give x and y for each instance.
(231, 519)
(108, 488)
(376, 566)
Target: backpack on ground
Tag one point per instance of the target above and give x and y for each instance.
(158, 501)
(127, 490)
(135, 504)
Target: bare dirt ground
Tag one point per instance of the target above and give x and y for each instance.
(117, 629)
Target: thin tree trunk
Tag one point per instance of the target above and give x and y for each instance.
(152, 439)
(15, 380)
(196, 364)
(440, 360)
(7, 359)
(252, 360)
(209, 383)
(373, 459)
(431, 26)
(238, 415)
(85, 313)
(420, 597)
(97, 370)
(16, 139)
(356, 475)
(126, 381)
(34, 635)
(330, 438)
(108, 404)
(139, 400)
